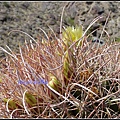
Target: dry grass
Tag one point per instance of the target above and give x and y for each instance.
(86, 79)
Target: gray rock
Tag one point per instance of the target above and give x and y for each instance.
(29, 16)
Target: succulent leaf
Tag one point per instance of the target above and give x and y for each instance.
(11, 105)
(54, 83)
(30, 99)
(71, 34)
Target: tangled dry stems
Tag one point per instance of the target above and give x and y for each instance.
(90, 90)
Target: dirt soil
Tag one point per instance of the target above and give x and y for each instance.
(31, 16)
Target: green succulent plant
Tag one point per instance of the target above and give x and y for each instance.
(72, 34)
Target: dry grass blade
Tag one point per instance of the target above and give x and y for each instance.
(8, 53)
(83, 88)
(65, 98)
(25, 107)
(23, 33)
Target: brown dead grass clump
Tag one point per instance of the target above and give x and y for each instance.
(61, 78)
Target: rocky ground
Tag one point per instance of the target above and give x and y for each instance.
(31, 16)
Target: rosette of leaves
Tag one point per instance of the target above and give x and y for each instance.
(72, 34)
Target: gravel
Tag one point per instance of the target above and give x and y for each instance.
(31, 16)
